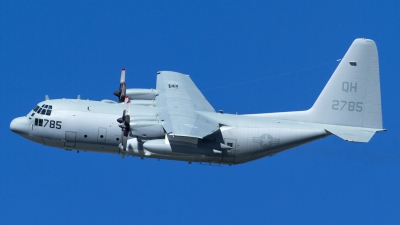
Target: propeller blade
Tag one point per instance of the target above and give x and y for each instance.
(121, 92)
(127, 106)
(124, 142)
(122, 81)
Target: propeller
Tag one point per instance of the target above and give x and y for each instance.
(121, 92)
(125, 126)
(124, 123)
(125, 119)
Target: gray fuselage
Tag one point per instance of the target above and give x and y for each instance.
(92, 126)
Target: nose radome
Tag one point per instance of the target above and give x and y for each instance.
(20, 125)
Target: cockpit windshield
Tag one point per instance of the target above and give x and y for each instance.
(44, 110)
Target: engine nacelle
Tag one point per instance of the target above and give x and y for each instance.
(146, 129)
(141, 94)
(150, 103)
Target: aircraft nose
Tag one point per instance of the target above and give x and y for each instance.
(20, 126)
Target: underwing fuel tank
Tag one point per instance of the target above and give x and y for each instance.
(161, 146)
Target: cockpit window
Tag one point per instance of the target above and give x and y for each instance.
(44, 110)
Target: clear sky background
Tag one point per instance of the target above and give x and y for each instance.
(287, 49)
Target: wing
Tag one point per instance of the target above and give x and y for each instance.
(179, 100)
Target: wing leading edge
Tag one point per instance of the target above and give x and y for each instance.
(179, 100)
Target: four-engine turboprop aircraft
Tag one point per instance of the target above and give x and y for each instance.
(175, 121)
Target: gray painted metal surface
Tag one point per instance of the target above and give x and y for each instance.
(175, 121)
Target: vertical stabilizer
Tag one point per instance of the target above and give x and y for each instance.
(352, 96)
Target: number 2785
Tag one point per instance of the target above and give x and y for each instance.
(347, 106)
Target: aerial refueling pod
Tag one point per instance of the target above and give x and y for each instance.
(141, 94)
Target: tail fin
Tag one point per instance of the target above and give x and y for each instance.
(350, 104)
(352, 96)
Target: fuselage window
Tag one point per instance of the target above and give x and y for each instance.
(48, 112)
(32, 114)
(43, 111)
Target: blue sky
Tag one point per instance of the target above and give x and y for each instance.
(287, 49)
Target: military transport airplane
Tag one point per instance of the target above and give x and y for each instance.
(175, 121)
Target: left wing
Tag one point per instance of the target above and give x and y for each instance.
(179, 99)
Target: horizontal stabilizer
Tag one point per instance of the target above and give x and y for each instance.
(353, 134)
